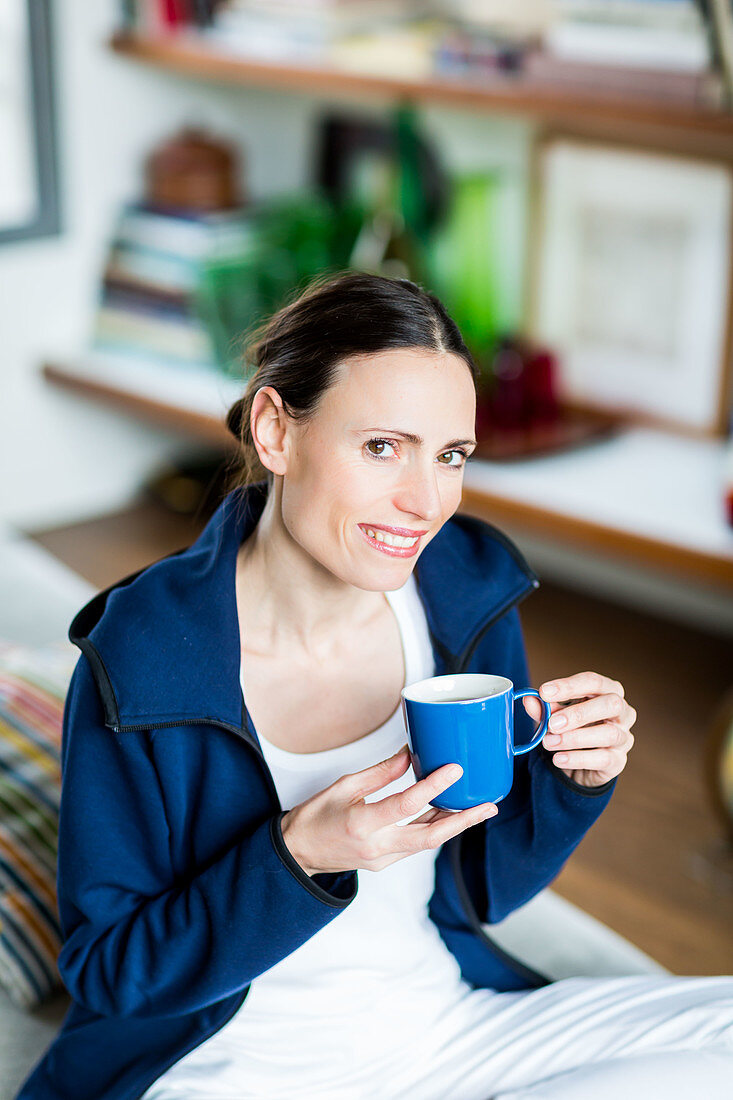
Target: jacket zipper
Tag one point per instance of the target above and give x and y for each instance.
(533, 977)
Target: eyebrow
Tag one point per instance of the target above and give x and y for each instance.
(416, 439)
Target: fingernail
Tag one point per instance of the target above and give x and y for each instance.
(548, 689)
(552, 739)
(558, 722)
(456, 771)
(561, 758)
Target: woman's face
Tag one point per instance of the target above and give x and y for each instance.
(352, 474)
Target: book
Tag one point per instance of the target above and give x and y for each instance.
(156, 270)
(642, 34)
(121, 328)
(184, 234)
(298, 31)
(154, 266)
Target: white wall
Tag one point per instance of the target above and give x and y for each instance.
(63, 457)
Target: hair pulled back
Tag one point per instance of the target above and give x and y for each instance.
(298, 349)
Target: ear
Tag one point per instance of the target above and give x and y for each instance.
(269, 424)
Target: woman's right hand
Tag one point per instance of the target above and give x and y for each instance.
(336, 830)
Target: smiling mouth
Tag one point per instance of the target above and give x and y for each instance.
(396, 545)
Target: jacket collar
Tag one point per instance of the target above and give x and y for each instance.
(164, 645)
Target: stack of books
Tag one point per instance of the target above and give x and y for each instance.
(644, 34)
(302, 30)
(155, 263)
(679, 50)
(663, 49)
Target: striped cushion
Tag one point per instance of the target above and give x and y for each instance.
(33, 684)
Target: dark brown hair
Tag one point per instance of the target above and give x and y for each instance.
(297, 351)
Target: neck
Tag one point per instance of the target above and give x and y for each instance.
(287, 601)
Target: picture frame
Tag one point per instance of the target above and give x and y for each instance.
(631, 281)
(29, 193)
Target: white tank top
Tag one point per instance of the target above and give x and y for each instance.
(340, 1013)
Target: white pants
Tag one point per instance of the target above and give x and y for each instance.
(647, 1037)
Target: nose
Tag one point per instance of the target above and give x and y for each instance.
(418, 493)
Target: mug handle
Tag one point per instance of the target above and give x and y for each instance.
(542, 730)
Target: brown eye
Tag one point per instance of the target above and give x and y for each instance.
(456, 465)
(378, 443)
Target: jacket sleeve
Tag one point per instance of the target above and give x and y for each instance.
(136, 941)
(545, 815)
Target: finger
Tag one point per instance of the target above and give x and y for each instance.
(594, 709)
(581, 684)
(604, 735)
(421, 837)
(440, 832)
(359, 784)
(403, 804)
(430, 815)
(600, 760)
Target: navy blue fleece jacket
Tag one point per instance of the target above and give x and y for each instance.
(175, 887)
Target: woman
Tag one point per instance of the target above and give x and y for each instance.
(257, 899)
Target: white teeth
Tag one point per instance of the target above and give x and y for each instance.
(391, 540)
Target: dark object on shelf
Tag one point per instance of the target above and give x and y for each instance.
(398, 214)
(573, 428)
(191, 487)
(518, 414)
(519, 390)
(469, 52)
(193, 171)
(349, 144)
(541, 397)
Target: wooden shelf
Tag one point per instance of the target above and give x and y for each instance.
(630, 546)
(646, 496)
(191, 54)
(199, 413)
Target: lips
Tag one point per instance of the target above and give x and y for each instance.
(404, 531)
(392, 551)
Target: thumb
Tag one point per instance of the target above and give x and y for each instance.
(535, 709)
(378, 775)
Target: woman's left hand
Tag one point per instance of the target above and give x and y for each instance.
(590, 728)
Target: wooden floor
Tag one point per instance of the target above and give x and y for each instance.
(654, 867)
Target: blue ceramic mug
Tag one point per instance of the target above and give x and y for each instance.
(467, 719)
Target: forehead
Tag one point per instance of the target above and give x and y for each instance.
(415, 377)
